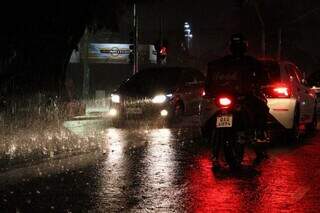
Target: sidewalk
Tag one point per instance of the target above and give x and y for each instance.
(26, 146)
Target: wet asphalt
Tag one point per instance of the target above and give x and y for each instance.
(165, 170)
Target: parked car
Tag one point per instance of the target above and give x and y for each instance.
(161, 92)
(314, 83)
(292, 103)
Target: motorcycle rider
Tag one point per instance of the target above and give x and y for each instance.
(242, 74)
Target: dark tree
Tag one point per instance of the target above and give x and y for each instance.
(38, 37)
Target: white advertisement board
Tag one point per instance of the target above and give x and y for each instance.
(109, 53)
(112, 53)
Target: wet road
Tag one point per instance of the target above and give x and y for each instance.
(164, 170)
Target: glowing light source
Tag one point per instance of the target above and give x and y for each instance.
(115, 98)
(113, 112)
(164, 113)
(224, 102)
(159, 99)
(281, 91)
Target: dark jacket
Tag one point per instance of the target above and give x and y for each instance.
(240, 75)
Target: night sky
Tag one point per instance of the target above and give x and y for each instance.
(213, 22)
(38, 37)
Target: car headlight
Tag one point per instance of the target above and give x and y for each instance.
(115, 98)
(113, 112)
(159, 99)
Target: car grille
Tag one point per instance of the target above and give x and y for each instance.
(137, 102)
(140, 108)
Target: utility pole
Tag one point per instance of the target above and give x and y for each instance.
(86, 69)
(279, 43)
(136, 40)
(263, 32)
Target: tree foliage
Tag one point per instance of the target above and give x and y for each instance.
(38, 38)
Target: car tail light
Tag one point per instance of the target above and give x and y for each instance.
(278, 91)
(224, 102)
(203, 93)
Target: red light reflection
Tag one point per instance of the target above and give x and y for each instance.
(205, 193)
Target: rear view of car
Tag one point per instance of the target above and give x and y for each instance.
(164, 93)
(290, 100)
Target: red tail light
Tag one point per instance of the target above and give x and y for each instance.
(278, 91)
(203, 93)
(281, 91)
(224, 102)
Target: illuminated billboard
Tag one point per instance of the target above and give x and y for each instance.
(109, 53)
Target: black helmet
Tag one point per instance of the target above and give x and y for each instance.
(238, 44)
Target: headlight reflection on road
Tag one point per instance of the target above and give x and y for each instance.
(160, 168)
(115, 146)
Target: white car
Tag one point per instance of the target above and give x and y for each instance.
(291, 102)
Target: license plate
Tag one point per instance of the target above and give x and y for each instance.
(134, 111)
(224, 121)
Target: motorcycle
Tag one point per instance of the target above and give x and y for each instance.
(233, 129)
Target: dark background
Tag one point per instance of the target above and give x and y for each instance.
(37, 38)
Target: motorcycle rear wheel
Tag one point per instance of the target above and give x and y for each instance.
(233, 150)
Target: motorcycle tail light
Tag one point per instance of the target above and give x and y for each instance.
(224, 102)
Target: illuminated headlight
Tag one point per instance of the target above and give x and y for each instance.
(115, 98)
(164, 113)
(113, 112)
(159, 99)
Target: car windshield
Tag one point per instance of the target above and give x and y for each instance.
(152, 79)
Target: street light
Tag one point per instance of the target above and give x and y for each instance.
(188, 33)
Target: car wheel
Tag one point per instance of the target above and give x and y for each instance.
(312, 127)
(293, 134)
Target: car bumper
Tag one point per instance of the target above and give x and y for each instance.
(283, 110)
(140, 112)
